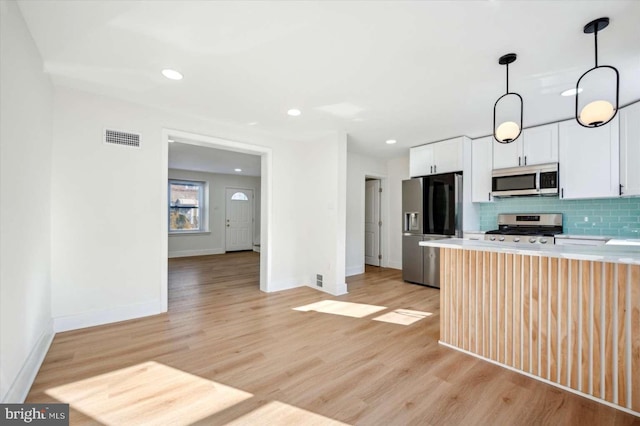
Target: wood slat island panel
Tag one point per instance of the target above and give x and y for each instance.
(575, 323)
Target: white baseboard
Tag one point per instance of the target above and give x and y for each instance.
(106, 316)
(189, 253)
(256, 248)
(19, 389)
(395, 264)
(342, 290)
(354, 270)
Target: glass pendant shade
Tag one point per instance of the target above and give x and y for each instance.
(596, 113)
(599, 85)
(507, 132)
(507, 111)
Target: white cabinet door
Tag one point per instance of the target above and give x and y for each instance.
(421, 160)
(481, 166)
(507, 154)
(630, 149)
(589, 160)
(447, 156)
(540, 145)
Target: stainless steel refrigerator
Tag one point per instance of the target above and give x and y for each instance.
(432, 209)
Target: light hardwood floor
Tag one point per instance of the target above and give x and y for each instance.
(226, 353)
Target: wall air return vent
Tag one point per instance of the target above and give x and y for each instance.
(116, 137)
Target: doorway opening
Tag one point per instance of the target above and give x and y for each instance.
(219, 185)
(373, 222)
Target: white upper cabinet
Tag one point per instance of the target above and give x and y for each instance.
(421, 160)
(435, 158)
(507, 154)
(536, 145)
(540, 145)
(630, 149)
(589, 160)
(481, 166)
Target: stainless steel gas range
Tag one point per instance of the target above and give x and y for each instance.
(526, 228)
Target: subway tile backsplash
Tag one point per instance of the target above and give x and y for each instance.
(616, 217)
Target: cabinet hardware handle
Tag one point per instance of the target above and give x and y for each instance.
(434, 168)
(519, 161)
(489, 196)
(431, 169)
(621, 186)
(525, 160)
(562, 193)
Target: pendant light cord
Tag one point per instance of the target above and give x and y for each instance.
(508, 77)
(595, 33)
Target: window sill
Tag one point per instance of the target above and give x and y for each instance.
(183, 233)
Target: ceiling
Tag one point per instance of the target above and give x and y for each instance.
(412, 71)
(187, 156)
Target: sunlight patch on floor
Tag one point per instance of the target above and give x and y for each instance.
(279, 413)
(403, 316)
(336, 307)
(148, 393)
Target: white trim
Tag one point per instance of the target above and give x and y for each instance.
(190, 253)
(540, 379)
(324, 290)
(354, 270)
(394, 264)
(19, 389)
(266, 185)
(107, 316)
(183, 233)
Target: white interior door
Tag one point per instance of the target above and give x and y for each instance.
(372, 223)
(239, 219)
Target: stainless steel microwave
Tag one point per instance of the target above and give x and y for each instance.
(541, 179)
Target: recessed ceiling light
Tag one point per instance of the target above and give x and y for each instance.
(391, 141)
(172, 74)
(237, 170)
(294, 112)
(171, 141)
(571, 92)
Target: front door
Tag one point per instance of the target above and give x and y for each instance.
(372, 223)
(239, 219)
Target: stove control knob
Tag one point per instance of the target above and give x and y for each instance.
(532, 240)
(492, 238)
(516, 240)
(543, 240)
(501, 238)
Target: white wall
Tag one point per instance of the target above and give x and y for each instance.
(25, 205)
(358, 168)
(213, 242)
(108, 256)
(322, 206)
(397, 170)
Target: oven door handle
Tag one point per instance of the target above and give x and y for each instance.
(538, 181)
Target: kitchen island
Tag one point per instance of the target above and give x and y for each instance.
(566, 315)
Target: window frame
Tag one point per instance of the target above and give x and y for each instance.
(202, 207)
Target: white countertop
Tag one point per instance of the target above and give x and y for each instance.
(628, 254)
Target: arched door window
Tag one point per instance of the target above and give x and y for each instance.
(239, 196)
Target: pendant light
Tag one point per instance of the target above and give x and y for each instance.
(598, 112)
(508, 130)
